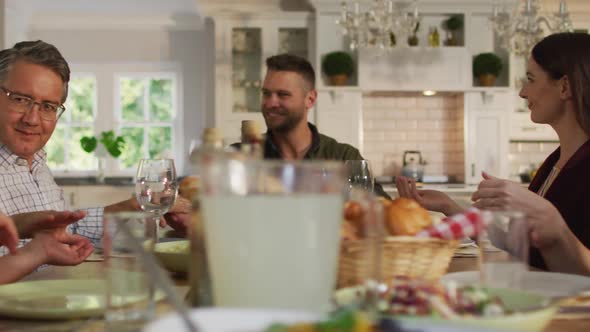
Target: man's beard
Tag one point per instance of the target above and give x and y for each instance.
(290, 121)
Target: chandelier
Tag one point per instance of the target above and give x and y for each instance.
(519, 32)
(379, 25)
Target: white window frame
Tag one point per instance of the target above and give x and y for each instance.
(107, 106)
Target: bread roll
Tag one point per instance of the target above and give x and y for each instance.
(189, 187)
(348, 231)
(353, 213)
(405, 216)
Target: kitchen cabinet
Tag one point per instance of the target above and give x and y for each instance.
(486, 133)
(242, 44)
(340, 116)
(522, 128)
(415, 69)
(78, 197)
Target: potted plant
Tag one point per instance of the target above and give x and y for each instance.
(413, 39)
(487, 67)
(452, 25)
(111, 144)
(338, 66)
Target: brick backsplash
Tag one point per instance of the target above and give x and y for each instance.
(396, 122)
(524, 155)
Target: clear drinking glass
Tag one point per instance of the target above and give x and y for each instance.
(360, 175)
(506, 267)
(272, 231)
(156, 186)
(130, 293)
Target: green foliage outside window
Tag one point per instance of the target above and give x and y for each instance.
(132, 91)
(160, 139)
(63, 151)
(161, 100)
(135, 147)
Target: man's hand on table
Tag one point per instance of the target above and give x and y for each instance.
(30, 223)
(178, 216)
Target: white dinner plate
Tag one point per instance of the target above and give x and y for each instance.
(253, 320)
(550, 284)
(55, 299)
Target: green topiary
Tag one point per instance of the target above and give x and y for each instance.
(487, 63)
(335, 63)
(455, 22)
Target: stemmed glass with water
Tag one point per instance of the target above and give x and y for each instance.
(156, 186)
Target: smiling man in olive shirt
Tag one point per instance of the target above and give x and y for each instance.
(288, 92)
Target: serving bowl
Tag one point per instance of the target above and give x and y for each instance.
(530, 312)
(173, 255)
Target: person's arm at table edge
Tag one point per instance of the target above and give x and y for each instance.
(15, 267)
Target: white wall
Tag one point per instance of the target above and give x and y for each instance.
(191, 50)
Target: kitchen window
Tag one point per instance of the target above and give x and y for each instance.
(146, 116)
(138, 102)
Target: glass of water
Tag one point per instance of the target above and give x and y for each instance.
(360, 175)
(156, 186)
(504, 250)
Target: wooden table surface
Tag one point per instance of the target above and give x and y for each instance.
(94, 270)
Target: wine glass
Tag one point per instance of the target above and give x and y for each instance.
(156, 187)
(360, 175)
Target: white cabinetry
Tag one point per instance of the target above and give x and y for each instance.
(415, 69)
(522, 128)
(340, 116)
(486, 134)
(78, 197)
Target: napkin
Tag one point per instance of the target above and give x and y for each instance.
(467, 224)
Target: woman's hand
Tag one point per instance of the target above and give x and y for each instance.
(430, 199)
(503, 195)
(546, 225)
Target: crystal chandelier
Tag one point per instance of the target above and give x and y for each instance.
(519, 32)
(378, 26)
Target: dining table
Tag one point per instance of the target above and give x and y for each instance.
(94, 269)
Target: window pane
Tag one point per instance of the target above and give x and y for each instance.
(132, 91)
(55, 149)
(160, 142)
(79, 159)
(134, 147)
(81, 98)
(161, 100)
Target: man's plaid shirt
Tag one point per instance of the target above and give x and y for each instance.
(28, 190)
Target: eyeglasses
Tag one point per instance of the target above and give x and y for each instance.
(22, 104)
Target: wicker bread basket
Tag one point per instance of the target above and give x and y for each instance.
(398, 256)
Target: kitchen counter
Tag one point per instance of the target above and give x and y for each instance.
(454, 189)
(460, 193)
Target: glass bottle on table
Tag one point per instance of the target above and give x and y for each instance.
(200, 293)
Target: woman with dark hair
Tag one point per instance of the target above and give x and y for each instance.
(558, 94)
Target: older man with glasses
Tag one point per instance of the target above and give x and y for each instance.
(34, 80)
